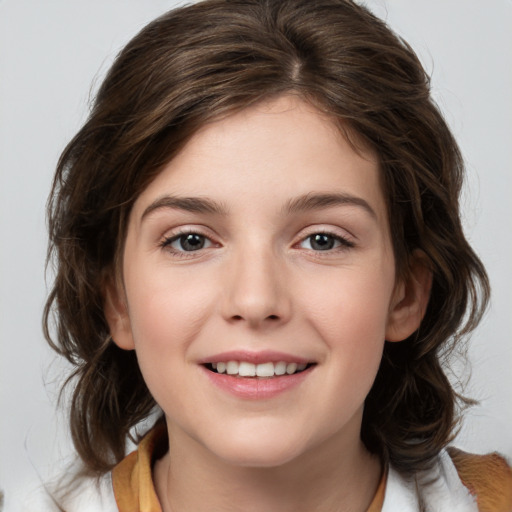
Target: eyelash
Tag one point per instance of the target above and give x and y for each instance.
(343, 243)
(166, 243)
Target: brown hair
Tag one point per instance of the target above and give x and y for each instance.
(215, 57)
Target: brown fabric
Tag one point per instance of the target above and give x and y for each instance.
(487, 477)
(132, 478)
(378, 499)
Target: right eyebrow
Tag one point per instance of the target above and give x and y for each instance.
(321, 201)
(189, 204)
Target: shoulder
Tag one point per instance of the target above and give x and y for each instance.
(487, 477)
(93, 495)
(454, 482)
(81, 495)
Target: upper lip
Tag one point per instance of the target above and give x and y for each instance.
(265, 356)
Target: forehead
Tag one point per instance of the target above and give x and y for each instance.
(278, 149)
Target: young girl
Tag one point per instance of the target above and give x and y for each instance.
(258, 241)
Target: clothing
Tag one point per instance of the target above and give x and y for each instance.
(464, 483)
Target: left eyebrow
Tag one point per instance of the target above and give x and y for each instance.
(308, 202)
(189, 204)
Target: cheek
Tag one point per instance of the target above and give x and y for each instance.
(351, 302)
(162, 301)
(166, 313)
(351, 321)
(351, 315)
(165, 320)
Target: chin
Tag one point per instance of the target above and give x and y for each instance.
(260, 451)
(258, 458)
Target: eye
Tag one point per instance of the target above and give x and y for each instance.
(324, 242)
(187, 242)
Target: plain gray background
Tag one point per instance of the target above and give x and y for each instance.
(53, 54)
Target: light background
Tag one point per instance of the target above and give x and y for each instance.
(53, 53)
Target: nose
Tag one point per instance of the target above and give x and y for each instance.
(256, 291)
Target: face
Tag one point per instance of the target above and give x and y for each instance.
(259, 286)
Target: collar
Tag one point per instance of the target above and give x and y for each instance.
(438, 489)
(134, 490)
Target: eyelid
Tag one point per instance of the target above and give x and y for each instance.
(340, 244)
(187, 229)
(333, 231)
(345, 238)
(174, 234)
(170, 240)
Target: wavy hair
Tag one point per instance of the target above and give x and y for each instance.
(215, 57)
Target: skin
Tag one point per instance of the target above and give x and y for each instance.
(259, 283)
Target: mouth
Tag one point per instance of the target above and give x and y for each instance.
(257, 376)
(266, 370)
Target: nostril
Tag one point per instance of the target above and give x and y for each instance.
(239, 318)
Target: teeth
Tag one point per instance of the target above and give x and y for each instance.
(291, 368)
(245, 369)
(280, 368)
(264, 370)
(232, 368)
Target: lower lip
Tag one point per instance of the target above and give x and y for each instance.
(254, 388)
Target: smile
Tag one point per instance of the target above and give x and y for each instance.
(261, 370)
(260, 375)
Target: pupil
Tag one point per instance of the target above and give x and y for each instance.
(192, 242)
(322, 242)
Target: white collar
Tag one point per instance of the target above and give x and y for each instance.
(436, 490)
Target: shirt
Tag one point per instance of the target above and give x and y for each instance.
(458, 481)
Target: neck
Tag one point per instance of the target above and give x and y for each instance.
(330, 478)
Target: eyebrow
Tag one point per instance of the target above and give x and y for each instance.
(299, 204)
(189, 204)
(309, 202)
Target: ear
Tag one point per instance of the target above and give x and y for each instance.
(116, 314)
(410, 299)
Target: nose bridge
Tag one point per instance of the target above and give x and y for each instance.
(255, 290)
